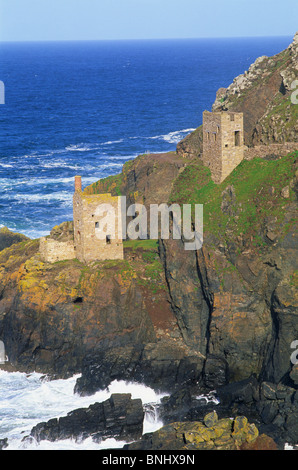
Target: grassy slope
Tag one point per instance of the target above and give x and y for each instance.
(112, 184)
(257, 187)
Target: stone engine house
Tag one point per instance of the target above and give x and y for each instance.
(88, 246)
(223, 150)
(223, 146)
(83, 242)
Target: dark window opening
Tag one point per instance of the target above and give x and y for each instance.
(78, 300)
(237, 138)
(96, 224)
(108, 239)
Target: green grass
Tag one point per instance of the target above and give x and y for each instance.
(294, 280)
(257, 185)
(143, 244)
(111, 184)
(284, 108)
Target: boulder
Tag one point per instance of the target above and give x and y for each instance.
(120, 417)
(211, 434)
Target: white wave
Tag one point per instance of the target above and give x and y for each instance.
(172, 137)
(9, 182)
(5, 165)
(34, 234)
(28, 399)
(288, 446)
(66, 444)
(78, 148)
(209, 398)
(111, 142)
(104, 166)
(63, 196)
(85, 147)
(61, 164)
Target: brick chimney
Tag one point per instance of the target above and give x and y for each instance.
(78, 183)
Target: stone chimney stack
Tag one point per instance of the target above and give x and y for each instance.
(78, 183)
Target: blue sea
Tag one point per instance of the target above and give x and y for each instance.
(87, 107)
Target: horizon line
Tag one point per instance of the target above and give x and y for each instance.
(143, 39)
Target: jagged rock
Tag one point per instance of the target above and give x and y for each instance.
(294, 374)
(8, 238)
(262, 442)
(119, 417)
(192, 145)
(3, 443)
(159, 365)
(220, 434)
(228, 199)
(62, 232)
(285, 192)
(211, 419)
(215, 372)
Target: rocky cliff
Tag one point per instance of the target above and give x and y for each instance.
(164, 316)
(264, 94)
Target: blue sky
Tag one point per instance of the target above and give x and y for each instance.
(35, 20)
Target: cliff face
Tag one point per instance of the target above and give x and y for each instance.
(263, 93)
(56, 317)
(223, 312)
(165, 316)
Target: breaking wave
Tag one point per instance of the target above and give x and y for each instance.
(28, 399)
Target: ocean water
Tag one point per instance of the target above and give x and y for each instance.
(87, 107)
(28, 399)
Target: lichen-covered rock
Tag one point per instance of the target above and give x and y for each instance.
(211, 419)
(218, 434)
(243, 431)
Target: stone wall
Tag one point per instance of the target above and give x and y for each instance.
(222, 149)
(90, 245)
(95, 234)
(212, 144)
(52, 250)
(271, 150)
(232, 148)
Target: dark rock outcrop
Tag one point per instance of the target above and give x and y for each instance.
(3, 443)
(161, 365)
(119, 417)
(209, 434)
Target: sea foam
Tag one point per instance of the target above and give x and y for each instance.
(28, 399)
